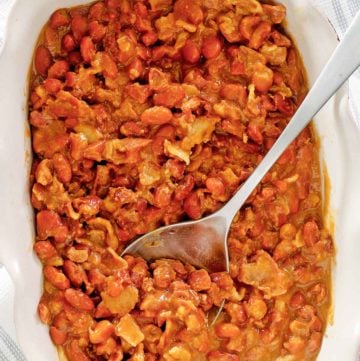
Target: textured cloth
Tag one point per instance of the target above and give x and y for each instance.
(8, 349)
(339, 13)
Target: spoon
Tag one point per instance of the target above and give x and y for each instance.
(203, 243)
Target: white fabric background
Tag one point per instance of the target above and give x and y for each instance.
(339, 13)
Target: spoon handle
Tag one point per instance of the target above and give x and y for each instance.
(343, 62)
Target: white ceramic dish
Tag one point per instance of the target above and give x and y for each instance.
(340, 149)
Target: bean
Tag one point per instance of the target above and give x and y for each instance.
(43, 60)
(76, 273)
(59, 337)
(59, 18)
(59, 69)
(68, 43)
(44, 313)
(211, 47)
(311, 233)
(227, 330)
(56, 278)
(79, 299)
(53, 86)
(79, 26)
(45, 250)
(87, 49)
(49, 224)
(192, 206)
(96, 31)
(199, 280)
(216, 186)
(297, 300)
(190, 52)
(156, 115)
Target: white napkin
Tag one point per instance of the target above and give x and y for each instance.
(339, 13)
(9, 351)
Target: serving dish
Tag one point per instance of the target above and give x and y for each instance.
(339, 147)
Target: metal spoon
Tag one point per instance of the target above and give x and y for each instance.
(203, 243)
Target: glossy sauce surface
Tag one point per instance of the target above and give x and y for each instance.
(146, 113)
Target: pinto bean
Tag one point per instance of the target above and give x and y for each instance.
(59, 69)
(56, 278)
(211, 47)
(97, 31)
(87, 49)
(79, 26)
(62, 168)
(311, 233)
(49, 224)
(192, 206)
(227, 330)
(45, 250)
(297, 300)
(59, 18)
(156, 115)
(43, 60)
(79, 299)
(199, 280)
(216, 186)
(190, 52)
(68, 43)
(75, 273)
(59, 337)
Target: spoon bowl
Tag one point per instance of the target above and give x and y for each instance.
(201, 243)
